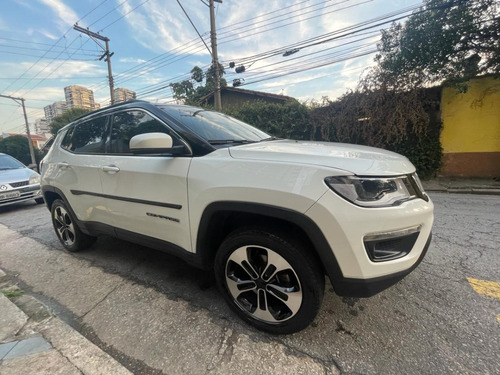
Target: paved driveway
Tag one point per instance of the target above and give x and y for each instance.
(156, 314)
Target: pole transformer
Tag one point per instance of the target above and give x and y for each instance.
(215, 59)
(106, 55)
(30, 142)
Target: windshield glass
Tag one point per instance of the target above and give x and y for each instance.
(214, 127)
(7, 162)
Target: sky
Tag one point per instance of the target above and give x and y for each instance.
(155, 44)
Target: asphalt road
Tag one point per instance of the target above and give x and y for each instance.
(156, 314)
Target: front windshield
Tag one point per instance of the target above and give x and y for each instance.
(215, 127)
(7, 162)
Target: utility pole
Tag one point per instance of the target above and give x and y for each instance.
(215, 58)
(105, 55)
(30, 142)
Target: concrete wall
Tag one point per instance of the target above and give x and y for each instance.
(471, 130)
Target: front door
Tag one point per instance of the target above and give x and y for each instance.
(145, 194)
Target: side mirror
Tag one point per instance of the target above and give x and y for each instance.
(154, 143)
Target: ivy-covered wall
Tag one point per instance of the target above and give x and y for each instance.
(350, 120)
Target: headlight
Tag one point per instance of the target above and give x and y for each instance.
(34, 179)
(374, 191)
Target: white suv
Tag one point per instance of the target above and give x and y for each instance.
(271, 217)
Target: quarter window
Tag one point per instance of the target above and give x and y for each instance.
(129, 124)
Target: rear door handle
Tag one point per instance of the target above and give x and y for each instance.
(111, 169)
(63, 165)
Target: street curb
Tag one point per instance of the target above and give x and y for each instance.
(87, 357)
(477, 191)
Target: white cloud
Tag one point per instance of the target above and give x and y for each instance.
(131, 60)
(161, 26)
(66, 15)
(3, 25)
(48, 34)
(54, 69)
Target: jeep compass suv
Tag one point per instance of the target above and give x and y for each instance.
(270, 217)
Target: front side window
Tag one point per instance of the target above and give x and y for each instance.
(129, 124)
(87, 137)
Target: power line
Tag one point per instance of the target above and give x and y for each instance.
(126, 14)
(302, 13)
(41, 44)
(328, 37)
(61, 38)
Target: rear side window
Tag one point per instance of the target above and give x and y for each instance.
(87, 137)
(131, 123)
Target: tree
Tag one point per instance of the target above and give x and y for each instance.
(62, 120)
(186, 92)
(445, 41)
(17, 146)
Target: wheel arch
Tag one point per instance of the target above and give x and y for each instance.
(221, 218)
(51, 193)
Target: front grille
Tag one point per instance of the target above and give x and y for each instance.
(19, 184)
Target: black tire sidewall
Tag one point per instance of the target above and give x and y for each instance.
(305, 266)
(82, 241)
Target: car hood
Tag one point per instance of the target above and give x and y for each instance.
(360, 160)
(15, 175)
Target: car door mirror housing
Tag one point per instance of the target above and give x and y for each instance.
(154, 143)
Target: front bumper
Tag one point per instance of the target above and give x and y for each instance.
(22, 194)
(353, 271)
(348, 287)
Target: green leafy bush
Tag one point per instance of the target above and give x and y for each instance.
(17, 146)
(289, 120)
(339, 121)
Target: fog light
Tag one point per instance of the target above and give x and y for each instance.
(386, 246)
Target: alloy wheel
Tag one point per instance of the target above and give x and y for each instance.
(64, 226)
(263, 284)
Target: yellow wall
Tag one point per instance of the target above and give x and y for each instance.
(471, 120)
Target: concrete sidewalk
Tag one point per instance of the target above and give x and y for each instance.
(458, 185)
(34, 341)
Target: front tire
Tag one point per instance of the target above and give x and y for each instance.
(271, 281)
(71, 237)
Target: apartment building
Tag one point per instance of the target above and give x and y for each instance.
(80, 97)
(122, 95)
(53, 110)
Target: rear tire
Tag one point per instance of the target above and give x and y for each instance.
(71, 237)
(271, 281)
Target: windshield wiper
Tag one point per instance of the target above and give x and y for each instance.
(228, 141)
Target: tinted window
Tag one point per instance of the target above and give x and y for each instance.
(214, 126)
(130, 123)
(66, 142)
(7, 162)
(87, 137)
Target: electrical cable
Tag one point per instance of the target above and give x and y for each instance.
(61, 38)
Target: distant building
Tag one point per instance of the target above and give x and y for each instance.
(53, 110)
(80, 97)
(42, 126)
(122, 95)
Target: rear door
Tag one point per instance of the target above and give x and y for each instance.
(145, 194)
(76, 171)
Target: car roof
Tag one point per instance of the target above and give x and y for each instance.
(129, 104)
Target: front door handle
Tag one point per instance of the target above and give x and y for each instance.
(63, 165)
(111, 169)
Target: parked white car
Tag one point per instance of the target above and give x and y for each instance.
(17, 182)
(271, 217)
